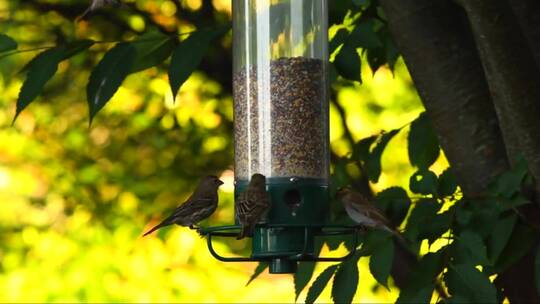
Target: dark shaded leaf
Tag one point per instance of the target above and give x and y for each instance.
(392, 53)
(38, 72)
(468, 282)
(260, 269)
(108, 76)
(423, 182)
(75, 47)
(422, 279)
(447, 183)
(500, 236)
(364, 36)
(506, 204)
(362, 148)
(422, 218)
(376, 57)
(7, 43)
(347, 63)
(521, 241)
(470, 249)
(423, 143)
(395, 203)
(380, 263)
(509, 183)
(304, 272)
(373, 162)
(152, 49)
(339, 38)
(345, 281)
(188, 55)
(320, 283)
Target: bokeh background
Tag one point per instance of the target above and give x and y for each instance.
(75, 200)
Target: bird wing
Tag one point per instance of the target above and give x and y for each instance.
(374, 213)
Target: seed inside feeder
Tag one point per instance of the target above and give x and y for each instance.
(279, 119)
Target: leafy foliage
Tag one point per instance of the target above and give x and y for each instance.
(7, 43)
(345, 281)
(423, 143)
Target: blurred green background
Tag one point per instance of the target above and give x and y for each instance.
(75, 200)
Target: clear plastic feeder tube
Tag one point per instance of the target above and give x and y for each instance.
(280, 88)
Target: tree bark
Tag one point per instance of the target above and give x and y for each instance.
(528, 15)
(512, 74)
(439, 50)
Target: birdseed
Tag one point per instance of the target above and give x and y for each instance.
(283, 132)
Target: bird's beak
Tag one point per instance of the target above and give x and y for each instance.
(220, 182)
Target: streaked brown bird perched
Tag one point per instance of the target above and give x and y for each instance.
(362, 211)
(200, 205)
(252, 205)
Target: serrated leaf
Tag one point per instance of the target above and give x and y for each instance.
(395, 203)
(152, 49)
(188, 55)
(40, 69)
(7, 43)
(108, 76)
(380, 263)
(376, 57)
(509, 182)
(421, 281)
(362, 148)
(423, 145)
(302, 276)
(471, 249)
(520, 242)
(261, 267)
(423, 182)
(373, 162)
(447, 183)
(500, 236)
(468, 282)
(537, 270)
(422, 216)
(345, 281)
(320, 283)
(347, 63)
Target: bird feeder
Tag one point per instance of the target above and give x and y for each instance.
(281, 125)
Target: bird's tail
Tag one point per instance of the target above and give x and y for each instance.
(396, 233)
(160, 225)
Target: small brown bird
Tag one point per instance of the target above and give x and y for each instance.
(200, 205)
(362, 211)
(252, 205)
(97, 4)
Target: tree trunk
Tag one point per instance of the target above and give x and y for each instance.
(439, 50)
(512, 74)
(528, 15)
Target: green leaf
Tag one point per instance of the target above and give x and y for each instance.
(260, 269)
(509, 182)
(362, 148)
(421, 283)
(423, 182)
(423, 143)
(373, 162)
(347, 63)
(471, 249)
(537, 270)
(447, 183)
(302, 276)
(152, 49)
(339, 38)
(108, 75)
(395, 203)
(501, 235)
(320, 283)
(345, 281)
(188, 55)
(466, 281)
(38, 72)
(364, 36)
(380, 263)
(7, 43)
(521, 241)
(75, 47)
(422, 218)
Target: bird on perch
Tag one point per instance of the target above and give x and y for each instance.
(199, 206)
(252, 205)
(96, 5)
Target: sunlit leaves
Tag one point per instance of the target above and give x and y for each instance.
(466, 281)
(7, 43)
(39, 71)
(188, 55)
(108, 75)
(152, 49)
(345, 281)
(320, 282)
(423, 143)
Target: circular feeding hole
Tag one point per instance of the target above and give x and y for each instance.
(293, 198)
